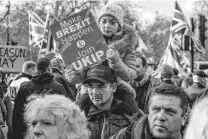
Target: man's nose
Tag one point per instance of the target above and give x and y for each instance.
(161, 115)
(38, 130)
(107, 24)
(95, 91)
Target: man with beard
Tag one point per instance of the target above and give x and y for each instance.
(143, 84)
(107, 115)
(167, 114)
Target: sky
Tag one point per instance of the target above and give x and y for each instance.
(165, 7)
(150, 7)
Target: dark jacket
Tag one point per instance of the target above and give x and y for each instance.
(60, 78)
(3, 89)
(177, 80)
(168, 81)
(104, 124)
(194, 91)
(137, 130)
(41, 83)
(143, 90)
(11, 94)
(203, 93)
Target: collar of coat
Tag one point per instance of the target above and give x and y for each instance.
(136, 83)
(125, 38)
(140, 130)
(56, 70)
(94, 110)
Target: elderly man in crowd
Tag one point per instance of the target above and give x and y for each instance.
(41, 82)
(167, 113)
(143, 84)
(107, 115)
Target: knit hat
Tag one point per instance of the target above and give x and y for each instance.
(115, 10)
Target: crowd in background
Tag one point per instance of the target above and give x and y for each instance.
(116, 99)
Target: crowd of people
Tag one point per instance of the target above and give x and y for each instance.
(115, 99)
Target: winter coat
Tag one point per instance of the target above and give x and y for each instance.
(60, 78)
(103, 124)
(177, 80)
(9, 97)
(143, 90)
(203, 93)
(3, 112)
(3, 89)
(40, 84)
(15, 85)
(124, 42)
(137, 130)
(193, 91)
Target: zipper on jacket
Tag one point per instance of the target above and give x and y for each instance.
(104, 126)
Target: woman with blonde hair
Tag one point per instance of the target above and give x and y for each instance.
(54, 117)
(198, 124)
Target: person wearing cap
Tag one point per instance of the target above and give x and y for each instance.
(199, 83)
(168, 109)
(121, 39)
(107, 115)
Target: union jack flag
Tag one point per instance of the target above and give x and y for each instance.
(180, 26)
(47, 44)
(36, 29)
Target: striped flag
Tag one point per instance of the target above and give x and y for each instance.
(143, 49)
(173, 58)
(36, 29)
(180, 26)
(142, 46)
(47, 44)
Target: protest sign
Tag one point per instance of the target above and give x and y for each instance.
(81, 42)
(12, 58)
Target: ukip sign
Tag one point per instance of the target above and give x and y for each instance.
(81, 43)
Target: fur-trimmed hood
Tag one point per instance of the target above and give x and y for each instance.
(123, 39)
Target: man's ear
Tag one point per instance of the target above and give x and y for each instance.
(50, 69)
(114, 87)
(185, 118)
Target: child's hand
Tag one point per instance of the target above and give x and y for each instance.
(69, 73)
(112, 55)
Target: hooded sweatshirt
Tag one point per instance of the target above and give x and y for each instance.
(41, 83)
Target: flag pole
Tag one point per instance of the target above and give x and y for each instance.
(192, 46)
(31, 51)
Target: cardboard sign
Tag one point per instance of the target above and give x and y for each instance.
(12, 57)
(81, 43)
